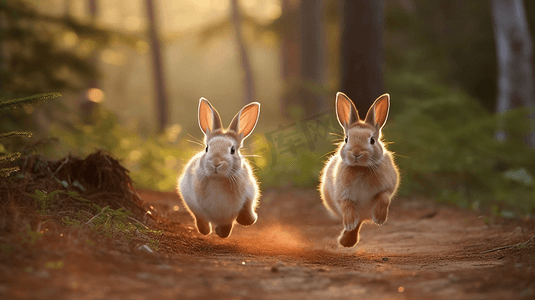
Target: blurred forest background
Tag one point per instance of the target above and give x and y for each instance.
(131, 73)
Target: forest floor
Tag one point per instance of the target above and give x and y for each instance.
(423, 251)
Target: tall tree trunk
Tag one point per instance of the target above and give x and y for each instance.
(4, 49)
(159, 78)
(245, 62)
(514, 49)
(87, 103)
(93, 12)
(362, 51)
(289, 54)
(312, 56)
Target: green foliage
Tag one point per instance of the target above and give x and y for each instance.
(447, 151)
(276, 168)
(54, 265)
(104, 219)
(6, 105)
(44, 199)
(48, 62)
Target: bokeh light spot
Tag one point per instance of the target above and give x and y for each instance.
(95, 95)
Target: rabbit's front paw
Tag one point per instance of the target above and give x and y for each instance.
(380, 212)
(351, 219)
(246, 217)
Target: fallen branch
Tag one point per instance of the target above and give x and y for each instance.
(508, 247)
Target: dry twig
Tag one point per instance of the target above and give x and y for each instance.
(508, 247)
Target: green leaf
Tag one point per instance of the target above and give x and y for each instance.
(39, 193)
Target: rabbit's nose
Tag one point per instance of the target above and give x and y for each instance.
(217, 165)
(356, 157)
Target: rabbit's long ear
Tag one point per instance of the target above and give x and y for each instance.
(378, 112)
(346, 112)
(209, 119)
(245, 120)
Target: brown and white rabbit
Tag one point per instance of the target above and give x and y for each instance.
(358, 182)
(218, 185)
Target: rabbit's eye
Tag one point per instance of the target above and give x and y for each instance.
(206, 149)
(345, 140)
(372, 140)
(232, 150)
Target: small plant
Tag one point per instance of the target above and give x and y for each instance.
(54, 265)
(43, 199)
(154, 244)
(29, 236)
(104, 219)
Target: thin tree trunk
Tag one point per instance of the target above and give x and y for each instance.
(159, 78)
(312, 56)
(514, 49)
(93, 12)
(4, 49)
(242, 52)
(87, 104)
(362, 51)
(289, 54)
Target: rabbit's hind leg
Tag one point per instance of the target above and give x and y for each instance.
(224, 230)
(247, 216)
(202, 226)
(350, 238)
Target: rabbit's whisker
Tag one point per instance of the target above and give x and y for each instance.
(395, 154)
(195, 142)
(191, 136)
(255, 164)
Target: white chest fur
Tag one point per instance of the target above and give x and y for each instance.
(219, 204)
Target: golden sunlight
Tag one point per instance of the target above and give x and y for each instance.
(274, 11)
(112, 57)
(133, 23)
(95, 95)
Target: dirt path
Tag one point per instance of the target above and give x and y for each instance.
(422, 252)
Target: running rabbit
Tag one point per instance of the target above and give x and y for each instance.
(218, 185)
(358, 182)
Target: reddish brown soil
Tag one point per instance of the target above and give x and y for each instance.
(423, 251)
